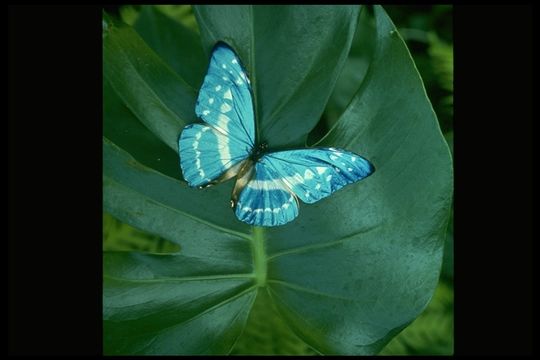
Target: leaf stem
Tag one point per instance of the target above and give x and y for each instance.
(259, 256)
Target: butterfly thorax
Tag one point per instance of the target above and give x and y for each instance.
(259, 151)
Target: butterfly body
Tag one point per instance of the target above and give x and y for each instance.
(269, 185)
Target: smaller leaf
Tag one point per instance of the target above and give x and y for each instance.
(129, 14)
(177, 45)
(182, 14)
(118, 236)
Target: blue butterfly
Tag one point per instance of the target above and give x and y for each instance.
(268, 184)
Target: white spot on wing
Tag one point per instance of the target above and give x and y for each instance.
(318, 186)
(293, 180)
(225, 108)
(218, 88)
(224, 66)
(320, 170)
(353, 158)
(333, 157)
(308, 174)
(211, 101)
(234, 61)
(206, 112)
(265, 185)
(329, 177)
(198, 153)
(228, 95)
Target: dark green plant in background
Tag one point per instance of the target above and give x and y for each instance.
(345, 277)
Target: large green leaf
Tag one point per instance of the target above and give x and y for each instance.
(119, 236)
(165, 304)
(383, 258)
(432, 333)
(195, 301)
(293, 54)
(348, 274)
(267, 334)
(159, 97)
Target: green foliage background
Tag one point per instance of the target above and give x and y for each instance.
(428, 33)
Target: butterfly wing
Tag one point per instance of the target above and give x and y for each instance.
(313, 174)
(215, 151)
(206, 154)
(225, 100)
(266, 200)
(269, 197)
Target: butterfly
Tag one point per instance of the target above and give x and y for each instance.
(268, 184)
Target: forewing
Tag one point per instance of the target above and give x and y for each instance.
(313, 174)
(225, 100)
(213, 152)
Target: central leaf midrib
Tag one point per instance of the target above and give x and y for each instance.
(260, 259)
